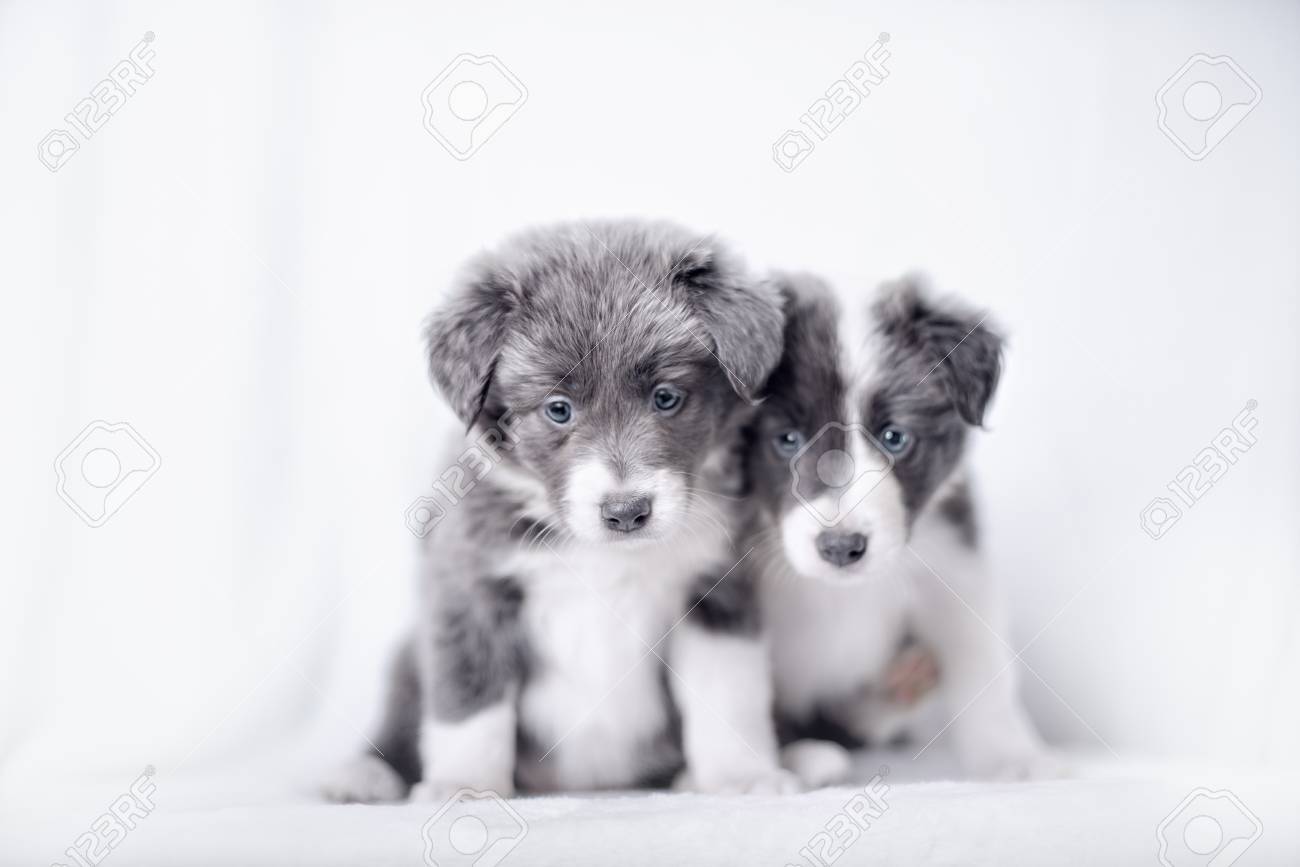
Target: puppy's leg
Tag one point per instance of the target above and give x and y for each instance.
(387, 770)
(472, 662)
(723, 687)
(960, 616)
(476, 752)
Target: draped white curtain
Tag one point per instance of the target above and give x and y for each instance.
(237, 262)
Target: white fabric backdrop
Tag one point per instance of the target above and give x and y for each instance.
(237, 263)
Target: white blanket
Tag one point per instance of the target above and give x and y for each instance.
(1107, 813)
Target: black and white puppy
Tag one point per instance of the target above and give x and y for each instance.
(857, 455)
(574, 634)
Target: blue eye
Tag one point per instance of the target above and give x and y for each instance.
(667, 399)
(895, 439)
(559, 410)
(787, 443)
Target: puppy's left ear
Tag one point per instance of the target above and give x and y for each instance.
(464, 336)
(956, 344)
(742, 316)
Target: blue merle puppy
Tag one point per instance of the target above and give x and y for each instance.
(585, 624)
(859, 459)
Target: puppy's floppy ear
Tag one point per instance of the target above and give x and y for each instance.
(464, 336)
(957, 344)
(741, 315)
(801, 293)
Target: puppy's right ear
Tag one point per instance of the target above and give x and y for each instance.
(955, 342)
(742, 317)
(464, 336)
(801, 290)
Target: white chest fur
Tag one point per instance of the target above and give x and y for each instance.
(595, 693)
(828, 640)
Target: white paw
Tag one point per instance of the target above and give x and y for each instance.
(364, 780)
(817, 764)
(764, 781)
(440, 791)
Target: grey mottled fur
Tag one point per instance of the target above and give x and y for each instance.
(958, 509)
(727, 605)
(399, 728)
(599, 313)
(940, 369)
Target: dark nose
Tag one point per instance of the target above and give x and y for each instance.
(841, 548)
(625, 514)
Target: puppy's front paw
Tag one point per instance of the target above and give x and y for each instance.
(758, 781)
(440, 791)
(364, 780)
(817, 764)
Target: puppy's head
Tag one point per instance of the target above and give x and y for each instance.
(865, 418)
(621, 353)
